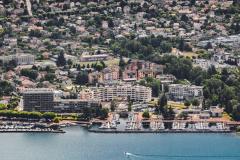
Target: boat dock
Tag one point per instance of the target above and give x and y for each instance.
(136, 124)
(9, 127)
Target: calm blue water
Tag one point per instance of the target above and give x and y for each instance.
(78, 144)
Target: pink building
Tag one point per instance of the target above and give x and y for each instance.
(139, 69)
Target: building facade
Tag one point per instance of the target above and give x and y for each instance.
(139, 69)
(40, 99)
(135, 93)
(182, 92)
(90, 58)
(21, 59)
(45, 100)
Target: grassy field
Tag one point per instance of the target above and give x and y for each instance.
(189, 54)
(226, 116)
(110, 62)
(176, 105)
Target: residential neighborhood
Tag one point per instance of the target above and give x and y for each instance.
(174, 58)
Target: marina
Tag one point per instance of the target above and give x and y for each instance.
(15, 127)
(135, 123)
(78, 143)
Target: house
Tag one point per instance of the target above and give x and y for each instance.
(216, 111)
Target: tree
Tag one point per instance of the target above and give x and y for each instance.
(236, 112)
(103, 64)
(162, 101)
(61, 61)
(113, 105)
(195, 102)
(82, 78)
(212, 70)
(155, 89)
(103, 113)
(129, 107)
(187, 103)
(6, 88)
(110, 23)
(122, 63)
(208, 46)
(49, 115)
(10, 65)
(181, 45)
(73, 30)
(184, 18)
(183, 115)
(192, 2)
(78, 67)
(56, 120)
(32, 74)
(69, 62)
(146, 114)
(50, 77)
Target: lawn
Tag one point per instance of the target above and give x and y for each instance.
(110, 62)
(176, 105)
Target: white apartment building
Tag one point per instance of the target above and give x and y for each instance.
(135, 93)
(181, 92)
(21, 59)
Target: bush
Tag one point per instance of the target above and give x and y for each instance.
(146, 114)
(56, 120)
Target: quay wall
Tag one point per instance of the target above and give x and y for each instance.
(160, 131)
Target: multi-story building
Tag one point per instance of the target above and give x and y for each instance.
(45, 100)
(166, 78)
(108, 74)
(135, 93)
(74, 105)
(90, 58)
(86, 94)
(139, 69)
(21, 59)
(39, 99)
(182, 92)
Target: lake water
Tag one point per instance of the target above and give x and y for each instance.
(78, 144)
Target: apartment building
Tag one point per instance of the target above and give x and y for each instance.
(45, 100)
(182, 92)
(21, 59)
(139, 69)
(166, 78)
(90, 58)
(135, 93)
(74, 105)
(107, 75)
(39, 99)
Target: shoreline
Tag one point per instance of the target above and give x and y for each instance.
(30, 131)
(159, 131)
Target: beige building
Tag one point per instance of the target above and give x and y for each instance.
(182, 92)
(21, 59)
(135, 93)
